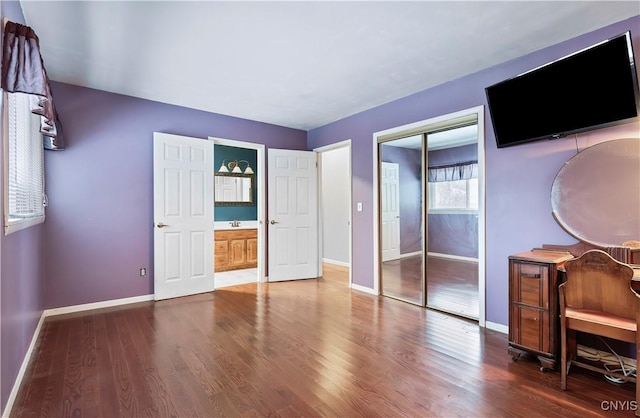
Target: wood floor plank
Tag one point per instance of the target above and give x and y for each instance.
(291, 349)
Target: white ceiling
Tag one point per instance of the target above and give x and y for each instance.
(455, 137)
(297, 64)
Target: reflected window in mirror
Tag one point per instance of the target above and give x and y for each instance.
(453, 187)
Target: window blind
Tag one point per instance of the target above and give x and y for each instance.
(25, 180)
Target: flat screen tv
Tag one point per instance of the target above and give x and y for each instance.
(592, 88)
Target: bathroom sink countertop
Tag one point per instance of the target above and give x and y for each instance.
(226, 225)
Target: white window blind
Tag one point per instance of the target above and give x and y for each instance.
(24, 183)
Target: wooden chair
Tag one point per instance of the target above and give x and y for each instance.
(597, 299)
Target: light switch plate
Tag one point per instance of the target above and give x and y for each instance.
(359, 206)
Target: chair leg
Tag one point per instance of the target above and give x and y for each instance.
(563, 356)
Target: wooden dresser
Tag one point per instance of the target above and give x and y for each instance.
(235, 249)
(533, 304)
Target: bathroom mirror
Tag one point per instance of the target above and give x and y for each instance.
(233, 189)
(595, 196)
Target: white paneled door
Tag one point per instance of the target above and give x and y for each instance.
(390, 210)
(183, 215)
(293, 215)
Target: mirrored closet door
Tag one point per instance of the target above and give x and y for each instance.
(452, 219)
(401, 215)
(428, 217)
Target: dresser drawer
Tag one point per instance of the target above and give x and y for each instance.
(221, 247)
(221, 261)
(530, 284)
(529, 327)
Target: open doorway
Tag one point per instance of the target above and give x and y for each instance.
(334, 165)
(239, 212)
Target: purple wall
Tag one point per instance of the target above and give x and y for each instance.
(99, 221)
(518, 179)
(22, 275)
(453, 155)
(410, 164)
(454, 234)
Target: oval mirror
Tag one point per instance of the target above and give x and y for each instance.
(595, 196)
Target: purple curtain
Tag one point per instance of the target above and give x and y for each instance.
(23, 72)
(452, 172)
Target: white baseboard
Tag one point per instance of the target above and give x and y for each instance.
(363, 289)
(336, 262)
(96, 305)
(405, 255)
(497, 327)
(451, 256)
(23, 368)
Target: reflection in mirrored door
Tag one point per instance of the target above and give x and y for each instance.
(401, 214)
(452, 220)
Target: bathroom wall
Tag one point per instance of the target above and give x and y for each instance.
(237, 212)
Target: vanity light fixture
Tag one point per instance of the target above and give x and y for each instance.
(223, 168)
(247, 169)
(234, 167)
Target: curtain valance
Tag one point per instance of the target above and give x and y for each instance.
(23, 72)
(451, 172)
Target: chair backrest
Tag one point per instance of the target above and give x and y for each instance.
(597, 282)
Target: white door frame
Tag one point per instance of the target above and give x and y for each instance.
(342, 144)
(261, 182)
(418, 127)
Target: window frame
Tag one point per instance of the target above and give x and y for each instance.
(11, 225)
(452, 211)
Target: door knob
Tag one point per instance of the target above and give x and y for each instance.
(273, 222)
(161, 225)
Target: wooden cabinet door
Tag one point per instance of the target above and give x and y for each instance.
(252, 250)
(237, 252)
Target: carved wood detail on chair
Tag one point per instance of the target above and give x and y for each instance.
(597, 299)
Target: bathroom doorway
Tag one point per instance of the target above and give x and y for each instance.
(239, 212)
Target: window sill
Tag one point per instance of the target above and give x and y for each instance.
(17, 225)
(453, 212)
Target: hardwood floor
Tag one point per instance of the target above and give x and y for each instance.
(302, 348)
(452, 285)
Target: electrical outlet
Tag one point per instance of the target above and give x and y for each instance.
(143, 271)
